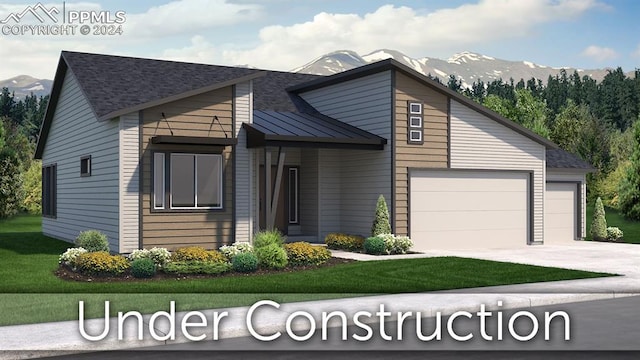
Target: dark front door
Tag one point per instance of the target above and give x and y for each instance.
(282, 221)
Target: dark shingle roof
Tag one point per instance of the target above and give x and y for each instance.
(115, 83)
(269, 90)
(560, 159)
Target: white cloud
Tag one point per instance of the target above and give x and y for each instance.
(600, 54)
(188, 16)
(405, 29)
(200, 51)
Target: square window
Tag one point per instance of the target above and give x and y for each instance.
(415, 135)
(415, 108)
(415, 122)
(85, 166)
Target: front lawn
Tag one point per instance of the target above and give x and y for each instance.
(28, 261)
(630, 228)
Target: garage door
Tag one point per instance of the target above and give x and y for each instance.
(469, 209)
(560, 210)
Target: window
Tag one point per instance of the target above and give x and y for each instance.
(158, 181)
(49, 193)
(294, 192)
(416, 124)
(85, 166)
(194, 181)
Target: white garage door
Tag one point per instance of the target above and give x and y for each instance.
(469, 209)
(560, 210)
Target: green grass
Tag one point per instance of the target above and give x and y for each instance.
(630, 228)
(28, 260)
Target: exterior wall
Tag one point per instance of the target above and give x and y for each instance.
(555, 175)
(90, 202)
(129, 182)
(189, 117)
(309, 193)
(478, 142)
(243, 113)
(431, 154)
(365, 103)
(329, 194)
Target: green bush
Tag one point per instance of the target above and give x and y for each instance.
(268, 237)
(374, 245)
(10, 183)
(196, 267)
(230, 251)
(614, 234)
(143, 268)
(198, 253)
(302, 253)
(159, 256)
(630, 184)
(381, 223)
(599, 223)
(32, 189)
(271, 256)
(101, 263)
(245, 262)
(93, 241)
(344, 242)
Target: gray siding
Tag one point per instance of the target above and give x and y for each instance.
(243, 113)
(365, 103)
(329, 194)
(478, 142)
(309, 192)
(129, 182)
(577, 177)
(83, 203)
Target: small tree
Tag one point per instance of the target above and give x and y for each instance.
(381, 223)
(10, 183)
(629, 190)
(599, 223)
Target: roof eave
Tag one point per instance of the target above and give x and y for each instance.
(61, 72)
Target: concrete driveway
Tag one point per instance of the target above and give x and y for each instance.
(615, 258)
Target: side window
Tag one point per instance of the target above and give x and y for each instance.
(49, 191)
(415, 124)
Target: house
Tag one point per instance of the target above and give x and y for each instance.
(162, 153)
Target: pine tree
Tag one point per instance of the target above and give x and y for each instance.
(630, 186)
(599, 223)
(381, 223)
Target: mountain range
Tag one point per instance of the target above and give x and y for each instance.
(466, 66)
(23, 85)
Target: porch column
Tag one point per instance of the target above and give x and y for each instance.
(276, 189)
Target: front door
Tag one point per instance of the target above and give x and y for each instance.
(282, 221)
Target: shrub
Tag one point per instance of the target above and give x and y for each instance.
(599, 223)
(630, 185)
(402, 245)
(389, 242)
(245, 262)
(344, 242)
(374, 245)
(230, 251)
(143, 268)
(381, 223)
(32, 188)
(196, 267)
(198, 253)
(614, 234)
(267, 237)
(101, 263)
(93, 241)
(159, 256)
(271, 256)
(302, 253)
(10, 182)
(70, 256)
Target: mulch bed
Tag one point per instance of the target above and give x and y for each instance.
(65, 273)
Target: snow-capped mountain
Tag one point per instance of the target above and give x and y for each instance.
(466, 66)
(23, 85)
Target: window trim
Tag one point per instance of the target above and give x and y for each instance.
(296, 203)
(164, 181)
(168, 183)
(87, 159)
(415, 113)
(415, 140)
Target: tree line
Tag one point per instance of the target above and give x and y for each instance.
(20, 174)
(598, 121)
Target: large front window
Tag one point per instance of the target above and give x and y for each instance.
(194, 181)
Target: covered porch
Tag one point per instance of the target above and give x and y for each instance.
(308, 168)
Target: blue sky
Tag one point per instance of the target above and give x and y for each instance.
(285, 34)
